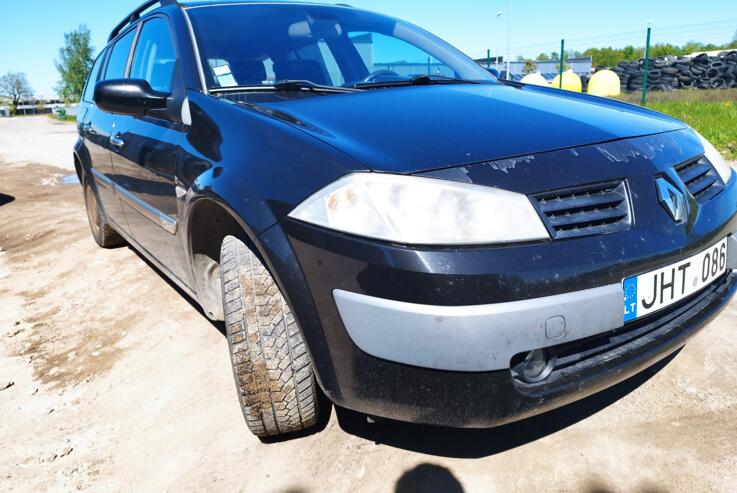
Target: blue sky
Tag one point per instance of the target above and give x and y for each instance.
(32, 42)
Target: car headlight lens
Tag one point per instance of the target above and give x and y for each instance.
(422, 211)
(724, 170)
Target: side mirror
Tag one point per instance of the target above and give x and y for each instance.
(131, 97)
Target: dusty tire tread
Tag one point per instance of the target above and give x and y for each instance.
(274, 378)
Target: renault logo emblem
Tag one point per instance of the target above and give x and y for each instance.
(673, 200)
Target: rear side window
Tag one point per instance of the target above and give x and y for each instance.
(119, 57)
(154, 59)
(89, 90)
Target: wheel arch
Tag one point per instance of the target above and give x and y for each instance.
(209, 221)
(275, 252)
(81, 160)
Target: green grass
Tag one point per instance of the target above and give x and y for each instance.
(65, 118)
(713, 113)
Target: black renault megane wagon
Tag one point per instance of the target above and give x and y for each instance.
(379, 220)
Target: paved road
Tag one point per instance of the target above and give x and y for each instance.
(120, 384)
(37, 140)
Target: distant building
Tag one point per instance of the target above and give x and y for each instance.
(548, 69)
(37, 105)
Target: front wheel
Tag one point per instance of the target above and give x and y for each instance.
(273, 373)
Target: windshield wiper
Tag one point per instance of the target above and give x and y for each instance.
(297, 85)
(286, 85)
(417, 80)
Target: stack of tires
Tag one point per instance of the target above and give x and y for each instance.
(668, 73)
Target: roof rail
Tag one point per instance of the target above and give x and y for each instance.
(136, 14)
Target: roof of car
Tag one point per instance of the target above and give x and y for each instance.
(151, 6)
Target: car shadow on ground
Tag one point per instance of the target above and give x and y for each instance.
(450, 442)
(428, 477)
(478, 443)
(5, 199)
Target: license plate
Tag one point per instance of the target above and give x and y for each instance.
(651, 292)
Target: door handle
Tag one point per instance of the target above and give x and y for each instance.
(117, 141)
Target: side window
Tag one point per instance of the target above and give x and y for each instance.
(89, 90)
(380, 52)
(119, 57)
(154, 59)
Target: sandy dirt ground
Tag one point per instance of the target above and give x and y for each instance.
(120, 384)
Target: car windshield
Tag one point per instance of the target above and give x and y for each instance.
(260, 45)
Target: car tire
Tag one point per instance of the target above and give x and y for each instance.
(102, 231)
(273, 373)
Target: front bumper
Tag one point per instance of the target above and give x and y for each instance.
(476, 338)
(482, 337)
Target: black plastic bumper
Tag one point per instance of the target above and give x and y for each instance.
(405, 393)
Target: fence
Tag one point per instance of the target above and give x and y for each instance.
(712, 70)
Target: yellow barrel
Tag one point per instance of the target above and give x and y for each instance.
(535, 79)
(571, 81)
(604, 83)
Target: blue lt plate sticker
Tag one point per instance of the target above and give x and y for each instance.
(656, 290)
(630, 299)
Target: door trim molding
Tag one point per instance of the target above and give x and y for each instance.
(103, 180)
(154, 215)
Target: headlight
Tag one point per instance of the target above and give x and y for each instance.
(724, 170)
(422, 211)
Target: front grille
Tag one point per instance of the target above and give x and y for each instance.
(584, 211)
(701, 179)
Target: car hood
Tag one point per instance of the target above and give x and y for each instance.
(415, 129)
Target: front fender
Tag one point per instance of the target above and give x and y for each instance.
(260, 167)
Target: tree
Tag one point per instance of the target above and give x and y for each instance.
(542, 57)
(74, 63)
(529, 67)
(15, 87)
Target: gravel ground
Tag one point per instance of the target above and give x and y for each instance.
(120, 384)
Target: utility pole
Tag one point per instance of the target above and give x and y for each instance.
(497, 48)
(647, 65)
(562, 65)
(509, 41)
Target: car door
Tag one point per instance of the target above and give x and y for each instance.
(96, 127)
(146, 153)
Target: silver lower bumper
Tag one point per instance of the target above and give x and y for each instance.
(482, 337)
